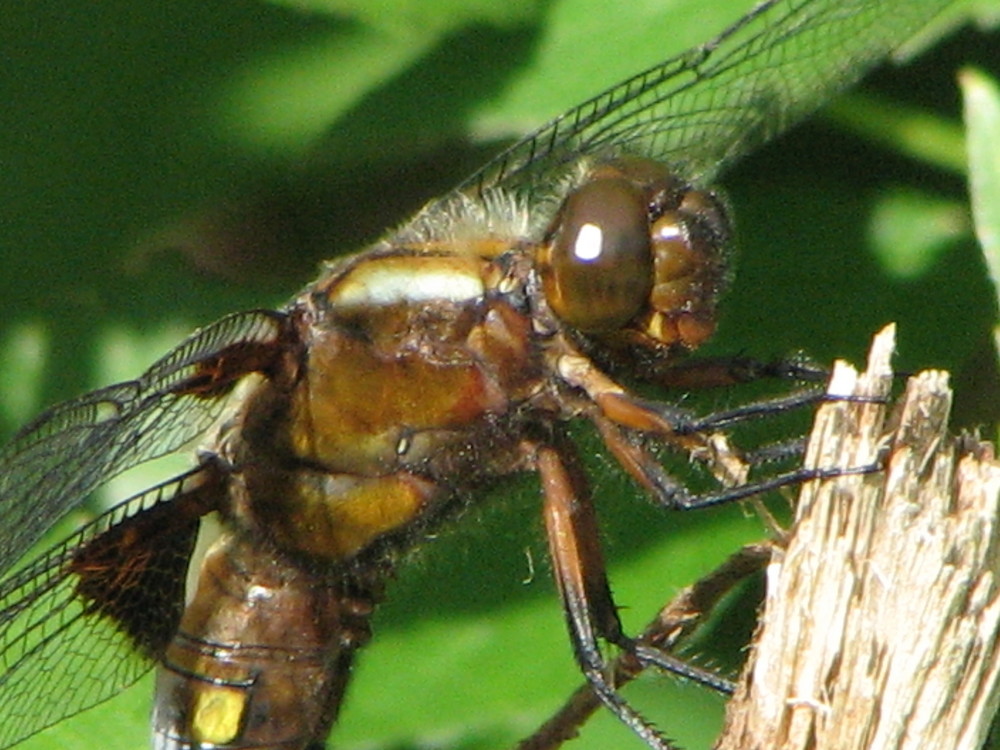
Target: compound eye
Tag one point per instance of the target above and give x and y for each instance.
(598, 272)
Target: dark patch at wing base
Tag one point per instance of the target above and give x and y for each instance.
(134, 573)
(90, 616)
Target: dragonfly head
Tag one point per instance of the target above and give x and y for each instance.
(638, 256)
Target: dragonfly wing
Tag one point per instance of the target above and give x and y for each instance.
(55, 462)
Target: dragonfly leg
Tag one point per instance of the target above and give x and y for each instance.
(670, 493)
(578, 563)
(673, 622)
(715, 372)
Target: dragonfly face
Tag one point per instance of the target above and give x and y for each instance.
(342, 428)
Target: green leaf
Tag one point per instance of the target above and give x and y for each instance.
(914, 132)
(910, 230)
(982, 120)
(583, 49)
(414, 14)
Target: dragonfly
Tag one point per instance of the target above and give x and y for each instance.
(339, 431)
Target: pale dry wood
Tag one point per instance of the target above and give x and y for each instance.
(880, 626)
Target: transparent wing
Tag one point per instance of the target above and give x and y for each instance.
(702, 110)
(87, 618)
(56, 461)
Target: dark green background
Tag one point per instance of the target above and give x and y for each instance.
(136, 204)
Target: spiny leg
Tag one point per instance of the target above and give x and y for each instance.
(578, 564)
(626, 424)
(720, 372)
(619, 413)
(647, 471)
(677, 619)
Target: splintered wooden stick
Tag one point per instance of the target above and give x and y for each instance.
(880, 625)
